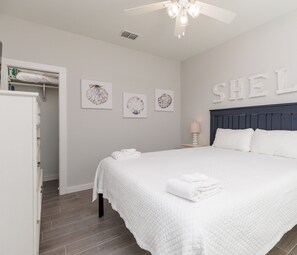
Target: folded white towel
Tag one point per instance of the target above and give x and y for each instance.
(128, 150)
(118, 155)
(208, 184)
(195, 177)
(193, 190)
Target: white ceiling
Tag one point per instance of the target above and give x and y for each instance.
(104, 20)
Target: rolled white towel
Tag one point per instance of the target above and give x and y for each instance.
(195, 177)
(191, 191)
(118, 155)
(128, 150)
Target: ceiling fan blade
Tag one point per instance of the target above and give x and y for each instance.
(217, 13)
(147, 8)
(179, 29)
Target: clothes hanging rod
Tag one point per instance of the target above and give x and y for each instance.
(51, 74)
(33, 85)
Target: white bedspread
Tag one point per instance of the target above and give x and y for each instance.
(257, 206)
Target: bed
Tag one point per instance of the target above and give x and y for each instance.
(257, 205)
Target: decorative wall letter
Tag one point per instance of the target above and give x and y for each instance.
(282, 82)
(217, 90)
(257, 86)
(236, 89)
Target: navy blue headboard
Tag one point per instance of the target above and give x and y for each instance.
(268, 117)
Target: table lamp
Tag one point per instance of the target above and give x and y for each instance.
(195, 130)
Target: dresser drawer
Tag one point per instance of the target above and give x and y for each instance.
(38, 115)
(38, 150)
(39, 194)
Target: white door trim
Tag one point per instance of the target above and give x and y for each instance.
(62, 108)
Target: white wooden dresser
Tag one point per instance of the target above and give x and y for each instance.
(20, 173)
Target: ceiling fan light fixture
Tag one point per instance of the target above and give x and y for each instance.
(180, 10)
(184, 20)
(194, 10)
(173, 10)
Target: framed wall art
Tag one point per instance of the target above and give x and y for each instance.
(134, 105)
(96, 94)
(164, 100)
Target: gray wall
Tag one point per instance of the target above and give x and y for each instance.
(94, 134)
(262, 50)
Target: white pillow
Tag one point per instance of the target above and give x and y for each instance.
(275, 143)
(239, 139)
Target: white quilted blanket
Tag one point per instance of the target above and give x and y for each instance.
(257, 206)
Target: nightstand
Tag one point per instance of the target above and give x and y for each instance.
(192, 145)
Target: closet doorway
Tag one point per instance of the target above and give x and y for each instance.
(46, 84)
(50, 83)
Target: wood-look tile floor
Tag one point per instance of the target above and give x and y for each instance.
(70, 226)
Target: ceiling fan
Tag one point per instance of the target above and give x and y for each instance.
(181, 9)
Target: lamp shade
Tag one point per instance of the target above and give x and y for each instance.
(195, 127)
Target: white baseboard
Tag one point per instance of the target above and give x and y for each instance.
(50, 177)
(77, 188)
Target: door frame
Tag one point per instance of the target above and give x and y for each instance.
(62, 71)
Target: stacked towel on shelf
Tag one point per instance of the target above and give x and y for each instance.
(194, 187)
(126, 154)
